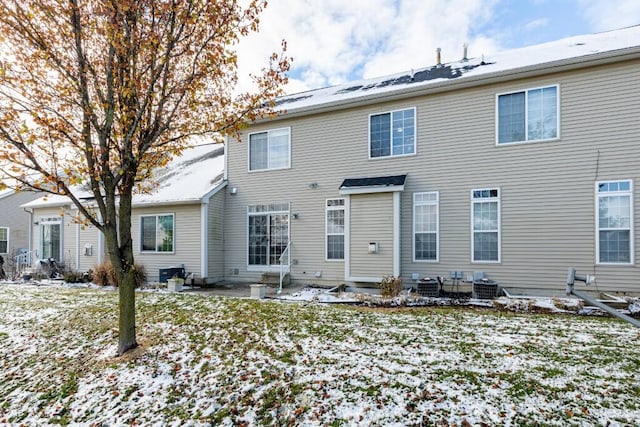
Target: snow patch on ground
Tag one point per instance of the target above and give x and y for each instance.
(209, 361)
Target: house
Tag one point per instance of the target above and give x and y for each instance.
(177, 224)
(514, 166)
(14, 225)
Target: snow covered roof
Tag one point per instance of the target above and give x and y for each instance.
(572, 51)
(194, 175)
(375, 184)
(188, 178)
(6, 192)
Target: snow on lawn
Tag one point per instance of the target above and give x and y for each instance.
(206, 360)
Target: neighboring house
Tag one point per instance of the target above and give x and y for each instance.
(14, 224)
(178, 223)
(518, 165)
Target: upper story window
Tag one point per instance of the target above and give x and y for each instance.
(157, 233)
(485, 224)
(392, 133)
(614, 222)
(4, 240)
(270, 149)
(529, 115)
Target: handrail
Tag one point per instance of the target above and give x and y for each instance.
(24, 260)
(572, 277)
(284, 265)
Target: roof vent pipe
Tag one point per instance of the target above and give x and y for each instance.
(438, 62)
(464, 52)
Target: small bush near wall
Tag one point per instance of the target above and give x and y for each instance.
(104, 275)
(76, 277)
(390, 287)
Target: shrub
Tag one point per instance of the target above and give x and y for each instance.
(75, 277)
(390, 286)
(104, 275)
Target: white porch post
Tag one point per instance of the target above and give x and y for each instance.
(347, 237)
(396, 234)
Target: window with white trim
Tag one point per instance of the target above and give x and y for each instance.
(528, 115)
(4, 240)
(268, 233)
(335, 229)
(614, 222)
(485, 224)
(157, 233)
(425, 226)
(392, 133)
(270, 149)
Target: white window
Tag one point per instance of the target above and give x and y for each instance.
(529, 115)
(157, 233)
(392, 133)
(335, 229)
(270, 149)
(268, 233)
(51, 238)
(614, 222)
(485, 224)
(425, 226)
(4, 240)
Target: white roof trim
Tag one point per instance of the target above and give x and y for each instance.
(372, 189)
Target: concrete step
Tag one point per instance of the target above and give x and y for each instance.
(274, 279)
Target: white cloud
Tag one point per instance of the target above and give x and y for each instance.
(332, 41)
(536, 24)
(611, 14)
(420, 27)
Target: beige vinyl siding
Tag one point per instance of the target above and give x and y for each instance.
(89, 235)
(547, 188)
(215, 242)
(187, 230)
(14, 217)
(371, 220)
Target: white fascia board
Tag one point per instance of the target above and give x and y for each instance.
(372, 189)
(214, 191)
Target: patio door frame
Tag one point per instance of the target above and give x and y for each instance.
(271, 238)
(49, 222)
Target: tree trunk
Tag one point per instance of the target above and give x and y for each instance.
(122, 261)
(127, 304)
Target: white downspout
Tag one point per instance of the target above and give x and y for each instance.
(226, 157)
(396, 234)
(204, 239)
(100, 247)
(77, 247)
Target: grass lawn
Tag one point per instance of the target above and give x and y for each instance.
(206, 360)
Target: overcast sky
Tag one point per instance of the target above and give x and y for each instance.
(334, 41)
